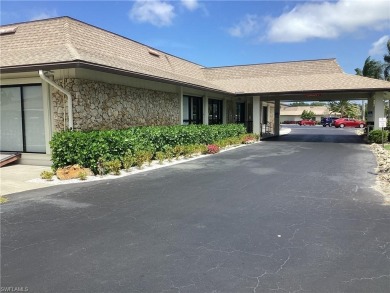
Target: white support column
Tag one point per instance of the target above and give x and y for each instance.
(47, 115)
(379, 108)
(277, 118)
(206, 110)
(256, 114)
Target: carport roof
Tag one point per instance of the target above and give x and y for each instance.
(65, 43)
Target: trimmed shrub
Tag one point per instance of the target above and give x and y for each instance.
(160, 156)
(113, 166)
(375, 136)
(141, 157)
(128, 160)
(85, 148)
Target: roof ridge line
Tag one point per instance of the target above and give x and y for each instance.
(271, 63)
(68, 41)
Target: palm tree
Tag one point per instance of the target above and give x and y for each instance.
(386, 58)
(371, 68)
(345, 108)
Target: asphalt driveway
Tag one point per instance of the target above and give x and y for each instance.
(294, 214)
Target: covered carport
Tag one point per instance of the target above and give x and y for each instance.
(312, 80)
(376, 100)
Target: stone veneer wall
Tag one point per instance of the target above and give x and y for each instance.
(98, 105)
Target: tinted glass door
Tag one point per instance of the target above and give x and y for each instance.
(215, 111)
(22, 120)
(192, 110)
(11, 119)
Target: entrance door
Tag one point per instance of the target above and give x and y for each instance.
(192, 110)
(22, 124)
(265, 114)
(215, 111)
(240, 113)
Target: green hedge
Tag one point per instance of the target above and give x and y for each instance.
(375, 136)
(86, 147)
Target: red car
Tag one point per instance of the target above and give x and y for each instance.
(349, 122)
(306, 122)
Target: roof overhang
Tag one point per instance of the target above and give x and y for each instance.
(106, 69)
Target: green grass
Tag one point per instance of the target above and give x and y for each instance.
(387, 147)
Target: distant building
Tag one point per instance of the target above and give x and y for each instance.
(289, 113)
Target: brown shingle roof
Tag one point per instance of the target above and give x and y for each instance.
(64, 40)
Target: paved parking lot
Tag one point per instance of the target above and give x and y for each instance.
(293, 214)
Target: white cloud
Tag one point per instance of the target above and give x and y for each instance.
(328, 20)
(156, 12)
(43, 15)
(190, 4)
(379, 47)
(248, 26)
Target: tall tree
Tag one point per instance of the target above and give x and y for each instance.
(345, 108)
(371, 68)
(308, 114)
(386, 58)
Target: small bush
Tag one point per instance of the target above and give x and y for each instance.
(188, 150)
(141, 157)
(149, 156)
(200, 149)
(178, 151)
(375, 136)
(128, 160)
(47, 175)
(113, 166)
(168, 150)
(83, 176)
(222, 143)
(234, 140)
(160, 156)
(212, 149)
(100, 167)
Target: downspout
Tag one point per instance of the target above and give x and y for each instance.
(61, 89)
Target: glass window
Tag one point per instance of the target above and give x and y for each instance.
(192, 110)
(11, 119)
(33, 119)
(22, 119)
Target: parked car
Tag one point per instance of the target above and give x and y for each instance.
(328, 121)
(306, 122)
(349, 122)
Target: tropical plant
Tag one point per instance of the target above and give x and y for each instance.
(386, 58)
(371, 68)
(345, 108)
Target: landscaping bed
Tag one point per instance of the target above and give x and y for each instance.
(110, 151)
(383, 160)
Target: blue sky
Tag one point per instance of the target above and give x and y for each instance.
(223, 33)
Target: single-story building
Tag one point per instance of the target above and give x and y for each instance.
(62, 73)
(293, 113)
